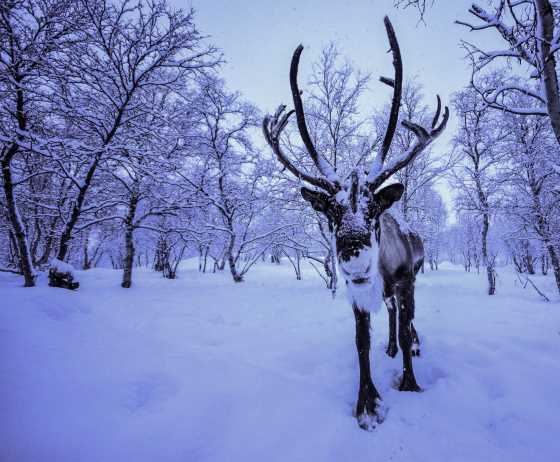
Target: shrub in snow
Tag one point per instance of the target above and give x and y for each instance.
(61, 275)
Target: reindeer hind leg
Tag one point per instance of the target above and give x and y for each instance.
(415, 348)
(405, 298)
(392, 348)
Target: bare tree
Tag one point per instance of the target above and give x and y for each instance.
(532, 204)
(465, 237)
(332, 109)
(429, 219)
(477, 176)
(230, 174)
(529, 30)
(129, 49)
(31, 33)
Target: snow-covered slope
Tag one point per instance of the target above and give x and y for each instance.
(202, 369)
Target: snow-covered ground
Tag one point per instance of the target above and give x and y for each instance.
(202, 369)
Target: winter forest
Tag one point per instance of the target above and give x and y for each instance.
(179, 261)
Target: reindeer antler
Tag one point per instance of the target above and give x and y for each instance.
(380, 172)
(273, 126)
(396, 84)
(322, 165)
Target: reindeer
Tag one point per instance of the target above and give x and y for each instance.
(378, 255)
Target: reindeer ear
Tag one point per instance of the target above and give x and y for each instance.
(389, 195)
(318, 200)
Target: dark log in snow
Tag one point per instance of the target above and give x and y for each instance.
(61, 275)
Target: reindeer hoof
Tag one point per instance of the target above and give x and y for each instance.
(370, 413)
(415, 349)
(392, 350)
(368, 419)
(408, 383)
(368, 422)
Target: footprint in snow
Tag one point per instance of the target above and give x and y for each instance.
(146, 393)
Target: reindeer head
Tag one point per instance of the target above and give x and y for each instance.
(353, 213)
(353, 207)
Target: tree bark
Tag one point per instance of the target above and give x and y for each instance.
(549, 77)
(20, 236)
(542, 228)
(528, 258)
(66, 235)
(332, 258)
(544, 263)
(555, 263)
(517, 263)
(49, 244)
(87, 262)
(13, 252)
(26, 263)
(129, 242)
(36, 240)
(489, 266)
(483, 203)
(231, 259)
(232, 267)
(206, 250)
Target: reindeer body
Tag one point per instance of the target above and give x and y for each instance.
(378, 255)
(375, 263)
(401, 252)
(401, 257)
(387, 266)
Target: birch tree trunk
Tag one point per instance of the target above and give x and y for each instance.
(484, 206)
(486, 261)
(549, 77)
(555, 263)
(25, 262)
(334, 276)
(87, 262)
(542, 228)
(129, 242)
(231, 261)
(66, 235)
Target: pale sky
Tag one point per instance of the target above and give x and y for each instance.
(258, 39)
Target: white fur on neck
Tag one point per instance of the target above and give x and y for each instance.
(367, 297)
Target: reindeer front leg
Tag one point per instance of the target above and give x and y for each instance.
(366, 408)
